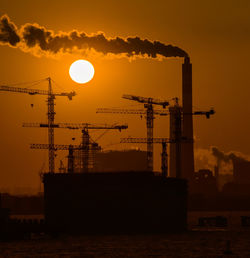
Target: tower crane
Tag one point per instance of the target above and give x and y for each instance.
(149, 112)
(176, 134)
(84, 147)
(175, 139)
(51, 112)
(71, 148)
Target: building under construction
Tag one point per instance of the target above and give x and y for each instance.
(129, 201)
(108, 194)
(121, 202)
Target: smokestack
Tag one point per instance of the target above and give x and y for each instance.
(187, 123)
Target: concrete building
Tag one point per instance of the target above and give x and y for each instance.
(241, 171)
(121, 202)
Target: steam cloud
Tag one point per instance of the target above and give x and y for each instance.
(226, 157)
(32, 37)
(209, 158)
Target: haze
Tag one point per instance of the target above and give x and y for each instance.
(216, 35)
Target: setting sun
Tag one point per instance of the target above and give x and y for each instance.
(81, 71)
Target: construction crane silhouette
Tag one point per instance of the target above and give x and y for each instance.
(68, 147)
(164, 154)
(149, 112)
(86, 145)
(51, 112)
(177, 139)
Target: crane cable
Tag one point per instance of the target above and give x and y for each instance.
(30, 83)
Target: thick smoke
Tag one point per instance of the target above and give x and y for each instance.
(33, 36)
(8, 32)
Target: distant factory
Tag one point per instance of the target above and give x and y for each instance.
(241, 171)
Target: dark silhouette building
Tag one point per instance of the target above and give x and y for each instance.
(241, 171)
(121, 202)
(204, 183)
(240, 186)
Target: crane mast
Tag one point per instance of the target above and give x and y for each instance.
(149, 112)
(69, 147)
(177, 140)
(150, 128)
(148, 105)
(51, 119)
(50, 114)
(84, 147)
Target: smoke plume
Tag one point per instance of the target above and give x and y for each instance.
(209, 158)
(32, 37)
(227, 157)
(8, 32)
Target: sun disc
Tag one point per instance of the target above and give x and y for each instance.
(81, 71)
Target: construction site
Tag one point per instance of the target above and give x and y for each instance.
(122, 185)
(124, 129)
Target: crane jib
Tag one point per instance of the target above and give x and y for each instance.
(53, 125)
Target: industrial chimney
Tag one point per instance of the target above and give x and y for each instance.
(187, 148)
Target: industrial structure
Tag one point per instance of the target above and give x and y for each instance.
(121, 202)
(69, 147)
(179, 142)
(187, 148)
(87, 148)
(181, 126)
(117, 201)
(164, 154)
(149, 112)
(50, 115)
(241, 171)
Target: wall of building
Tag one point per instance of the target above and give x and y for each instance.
(115, 202)
(241, 172)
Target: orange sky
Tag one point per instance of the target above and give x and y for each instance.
(216, 35)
